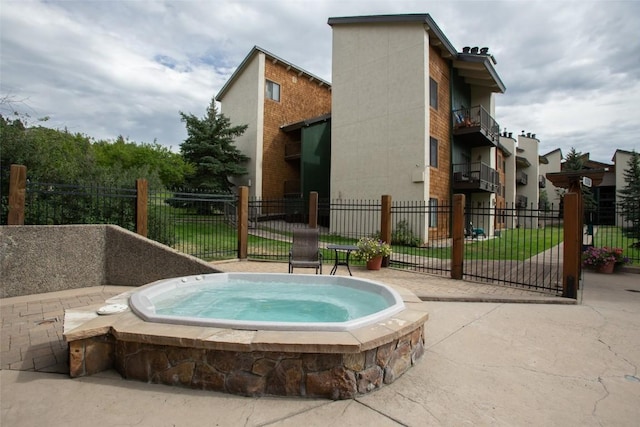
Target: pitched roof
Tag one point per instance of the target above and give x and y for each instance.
(271, 57)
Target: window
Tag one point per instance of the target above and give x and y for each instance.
(273, 90)
(433, 212)
(433, 152)
(433, 93)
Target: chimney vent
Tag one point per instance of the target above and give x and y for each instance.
(466, 49)
(484, 50)
(510, 134)
(474, 50)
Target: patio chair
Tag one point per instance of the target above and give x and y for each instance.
(304, 252)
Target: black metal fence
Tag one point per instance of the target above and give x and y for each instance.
(525, 249)
(58, 204)
(194, 222)
(513, 246)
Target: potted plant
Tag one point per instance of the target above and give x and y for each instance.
(372, 251)
(603, 259)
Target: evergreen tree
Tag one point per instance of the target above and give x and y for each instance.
(209, 147)
(573, 162)
(630, 197)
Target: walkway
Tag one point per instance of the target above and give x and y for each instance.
(485, 364)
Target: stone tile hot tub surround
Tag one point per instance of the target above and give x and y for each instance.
(334, 365)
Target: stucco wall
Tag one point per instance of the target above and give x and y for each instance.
(39, 259)
(380, 111)
(243, 104)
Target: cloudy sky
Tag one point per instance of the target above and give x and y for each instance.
(109, 68)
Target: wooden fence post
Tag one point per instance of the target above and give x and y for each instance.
(457, 250)
(142, 209)
(17, 192)
(313, 209)
(572, 244)
(243, 222)
(385, 224)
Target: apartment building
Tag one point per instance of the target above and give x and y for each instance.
(549, 163)
(407, 114)
(288, 137)
(411, 116)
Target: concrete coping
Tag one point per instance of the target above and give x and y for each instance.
(83, 323)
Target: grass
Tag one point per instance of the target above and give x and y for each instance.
(516, 244)
(207, 239)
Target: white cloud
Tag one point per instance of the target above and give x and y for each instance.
(106, 68)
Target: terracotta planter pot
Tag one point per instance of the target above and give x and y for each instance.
(375, 263)
(606, 268)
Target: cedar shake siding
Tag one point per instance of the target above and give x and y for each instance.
(300, 98)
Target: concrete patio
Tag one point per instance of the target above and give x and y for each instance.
(494, 356)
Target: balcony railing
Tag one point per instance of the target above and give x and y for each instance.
(476, 176)
(292, 150)
(475, 127)
(521, 178)
(542, 181)
(521, 201)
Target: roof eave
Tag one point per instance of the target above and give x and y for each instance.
(487, 62)
(410, 18)
(272, 57)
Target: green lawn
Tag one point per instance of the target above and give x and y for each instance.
(217, 239)
(515, 244)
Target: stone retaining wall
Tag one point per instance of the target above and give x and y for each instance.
(258, 373)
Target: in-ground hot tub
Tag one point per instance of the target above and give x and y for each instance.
(267, 302)
(335, 358)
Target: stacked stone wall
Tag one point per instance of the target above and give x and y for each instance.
(259, 373)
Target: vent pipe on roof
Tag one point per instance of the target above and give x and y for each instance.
(474, 50)
(466, 49)
(484, 51)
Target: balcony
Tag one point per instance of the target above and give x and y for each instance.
(542, 181)
(521, 202)
(292, 189)
(521, 178)
(475, 177)
(475, 127)
(292, 150)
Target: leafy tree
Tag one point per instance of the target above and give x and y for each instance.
(209, 147)
(156, 163)
(630, 197)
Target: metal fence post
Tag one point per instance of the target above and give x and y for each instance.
(457, 251)
(313, 209)
(385, 224)
(243, 222)
(17, 192)
(142, 209)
